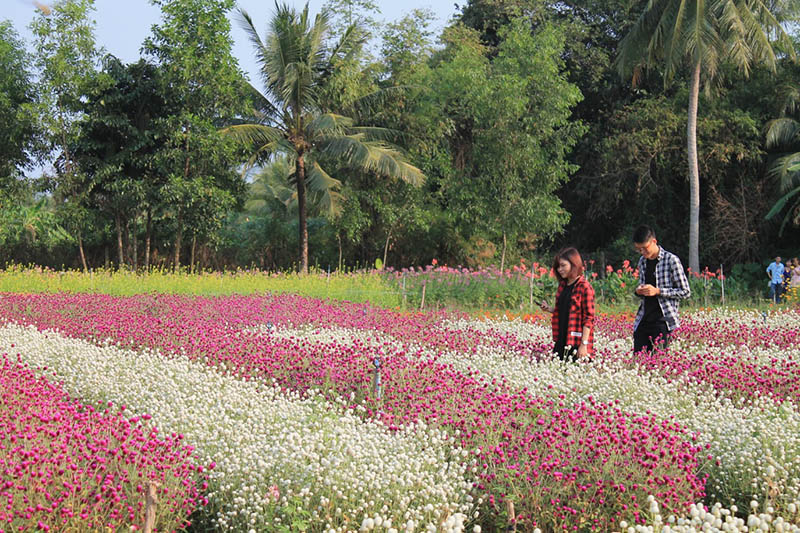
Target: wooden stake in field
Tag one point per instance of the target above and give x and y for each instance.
(422, 302)
(512, 517)
(150, 507)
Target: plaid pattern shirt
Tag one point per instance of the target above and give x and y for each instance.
(672, 282)
(581, 313)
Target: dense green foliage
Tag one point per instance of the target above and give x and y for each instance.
(516, 115)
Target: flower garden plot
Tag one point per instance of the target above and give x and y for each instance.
(70, 466)
(571, 446)
(266, 445)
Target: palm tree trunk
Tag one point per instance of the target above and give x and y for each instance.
(300, 173)
(694, 172)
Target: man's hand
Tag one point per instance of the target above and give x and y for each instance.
(647, 290)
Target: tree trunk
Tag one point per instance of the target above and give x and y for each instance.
(135, 242)
(503, 254)
(147, 233)
(339, 238)
(694, 172)
(300, 174)
(386, 248)
(176, 263)
(176, 258)
(120, 254)
(194, 246)
(82, 254)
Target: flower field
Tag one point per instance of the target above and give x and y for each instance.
(285, 413)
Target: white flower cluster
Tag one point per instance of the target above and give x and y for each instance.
(281, 459)
(717, 519)
(776, 319)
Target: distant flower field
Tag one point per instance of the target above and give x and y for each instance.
(286, 413)
(518, 288)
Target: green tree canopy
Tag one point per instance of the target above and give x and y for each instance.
(19, 134)
(509, 134)
(206, 89)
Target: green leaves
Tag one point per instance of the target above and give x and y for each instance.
(508, 120)
(205, 88)
(674, 33)
(19, 134)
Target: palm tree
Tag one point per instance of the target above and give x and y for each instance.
(702, 35)
(295, 63)
(783, 135)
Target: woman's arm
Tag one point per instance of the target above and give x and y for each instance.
(587, 319)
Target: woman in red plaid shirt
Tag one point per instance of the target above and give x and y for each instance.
(573, 313)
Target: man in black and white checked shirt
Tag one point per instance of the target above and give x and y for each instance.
(662, 285)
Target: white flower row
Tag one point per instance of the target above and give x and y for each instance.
(773, 319)
(280, 458)
(756, 441)
(718, 519)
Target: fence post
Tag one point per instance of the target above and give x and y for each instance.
(422, 302)
(722, 282)
(150, 507)
(376, 379)
(404, 291)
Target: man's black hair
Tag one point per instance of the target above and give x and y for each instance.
(643, 234)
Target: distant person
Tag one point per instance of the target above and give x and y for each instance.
(787, 275)
(795, 279)
(573, 314)
(662, 285)
(775, 272)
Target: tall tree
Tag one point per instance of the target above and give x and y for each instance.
(65, 55)
(206, 88)
(508, 135)
(117, 141)
(703, 35)
(295, 64)
(18, 136)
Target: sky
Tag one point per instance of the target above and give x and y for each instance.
(122, 25)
